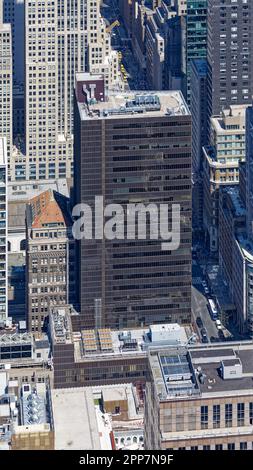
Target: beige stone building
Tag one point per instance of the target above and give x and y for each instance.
(49, 256)
(61, 39)
(200, 398)
(5, 82)
(221, 164)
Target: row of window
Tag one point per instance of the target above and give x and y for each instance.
(216, 415)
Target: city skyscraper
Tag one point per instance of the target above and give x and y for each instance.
(133, 148)
(62, 38)
(199, 135)
(5, 82)
(249, 171)
(229, 48)
(196, 36)
(13, 13)
(55, 50)
(3, 233)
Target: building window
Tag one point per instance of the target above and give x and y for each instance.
(251, 412)
(231, 446)
(243, 445)
(228, 414)
(194, 448)
(216, 416)
(204, 417)
(240, 414)
(218, 447)
(206, 447)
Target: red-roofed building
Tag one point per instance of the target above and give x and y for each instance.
(49, 256)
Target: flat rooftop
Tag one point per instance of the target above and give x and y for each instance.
(197, 370)
(106, 343)
(23, 191)
(75, 423)
(136, 104)
(208, 361)
(173, 374)
(235, 116)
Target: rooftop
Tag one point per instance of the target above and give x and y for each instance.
(200, 370)
(107, 342)
(232, 119)
(60, 326)
(137, 104)
(16, 338)
(173, 374)
(49, 208)
(26, 190)
(33, 404)
(104, 342)
(16, 214)
(75, 423)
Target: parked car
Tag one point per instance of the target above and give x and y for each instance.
(218, 324)
(199, 322)
(204, 336)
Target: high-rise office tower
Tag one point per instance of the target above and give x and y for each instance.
(249, 171)
(3, 233)
(196, 37)
(55, 39)
(229, 46)
(133, 148)
(13, 13)
(5, 82)
(199, 134)
(62, 38)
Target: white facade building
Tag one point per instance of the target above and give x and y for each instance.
(62, 38)
(5, 82)
(13, 13)
(3, 233)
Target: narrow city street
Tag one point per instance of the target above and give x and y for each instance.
(121, 43)
(200, 309)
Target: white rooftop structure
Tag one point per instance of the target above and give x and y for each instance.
(170, 333)
(75, 422)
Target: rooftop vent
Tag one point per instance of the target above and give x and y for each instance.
(231, 369)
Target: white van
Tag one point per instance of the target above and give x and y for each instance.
(218, 324)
